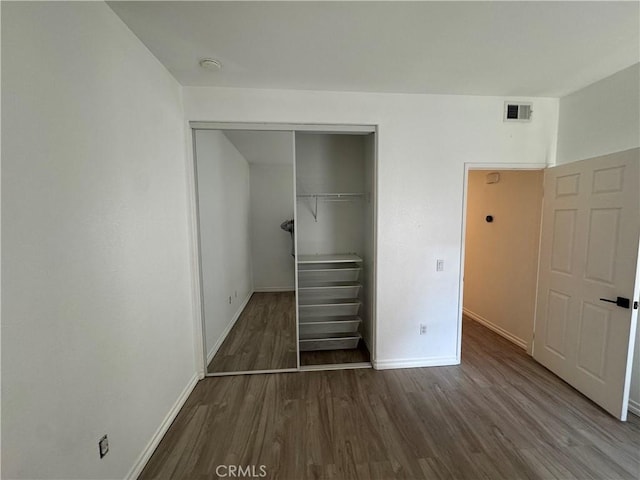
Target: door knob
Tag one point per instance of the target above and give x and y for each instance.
(619, 301)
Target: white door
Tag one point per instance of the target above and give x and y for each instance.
(589, 257)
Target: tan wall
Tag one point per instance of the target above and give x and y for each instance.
(501, 257)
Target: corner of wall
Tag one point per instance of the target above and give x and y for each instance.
(155, 440)
(601, 118)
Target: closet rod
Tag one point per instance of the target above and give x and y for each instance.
(331, 197)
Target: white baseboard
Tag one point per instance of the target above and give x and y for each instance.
(415, 362)
(144, 457)
(274, 289)
(634, 407)
(227, 329)
(492, 326)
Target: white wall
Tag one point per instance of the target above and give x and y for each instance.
(272, 200)
(263, 147)
(601, 118)
(501, 257)
(97, 319)
(329, 164)
(424, 141)
(225, 241)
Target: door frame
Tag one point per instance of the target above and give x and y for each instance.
(468, 166)
(199, 339)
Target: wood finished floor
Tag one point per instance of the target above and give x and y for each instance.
(332, 357)
(263, 338)
(499, 415)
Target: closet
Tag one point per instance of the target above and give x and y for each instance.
(335, 247)
(286, 219)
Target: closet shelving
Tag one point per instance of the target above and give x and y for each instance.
(329, 301)
(329, 197)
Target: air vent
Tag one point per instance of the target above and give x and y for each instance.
(517, 112)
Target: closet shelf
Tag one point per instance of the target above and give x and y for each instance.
(311, 275)
(337, 290)
(329, 328)
(329, 308)
(331, 258)
(335, 318)
(345, 195)
(326, 285)
(325, 302)
(336, 342)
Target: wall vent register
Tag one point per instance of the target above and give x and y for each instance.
(517, 112)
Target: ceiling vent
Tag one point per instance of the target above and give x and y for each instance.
(517, 112)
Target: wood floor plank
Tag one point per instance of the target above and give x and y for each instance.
(263, 337)
(498, 415)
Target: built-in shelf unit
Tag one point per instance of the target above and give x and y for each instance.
(334, 231)
(328, 301)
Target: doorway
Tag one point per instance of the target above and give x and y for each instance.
(588, 279)
(503, 213)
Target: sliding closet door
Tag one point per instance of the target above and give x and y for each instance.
(246, 205)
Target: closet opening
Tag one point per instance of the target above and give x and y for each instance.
(285, 222)
(335, 217)
(501, 246)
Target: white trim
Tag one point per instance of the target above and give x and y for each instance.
(194, 253)
(198, 274)
(497, 329)
(227, 329)
(415, 362)
(296, 257)
(292, 288)
(285, 127)
(335, 366)
(373, 289)
(253, 372)
(634, 407)
(506, 166)
(144, 457)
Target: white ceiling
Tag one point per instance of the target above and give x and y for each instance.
(263, 147)
(481, 48)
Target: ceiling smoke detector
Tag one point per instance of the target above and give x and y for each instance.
(210, 64)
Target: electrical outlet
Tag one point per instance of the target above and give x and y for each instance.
(229, 300)
(103, 446)
(439, 265)
(423, 328)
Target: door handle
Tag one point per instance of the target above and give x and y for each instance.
(620, 301)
